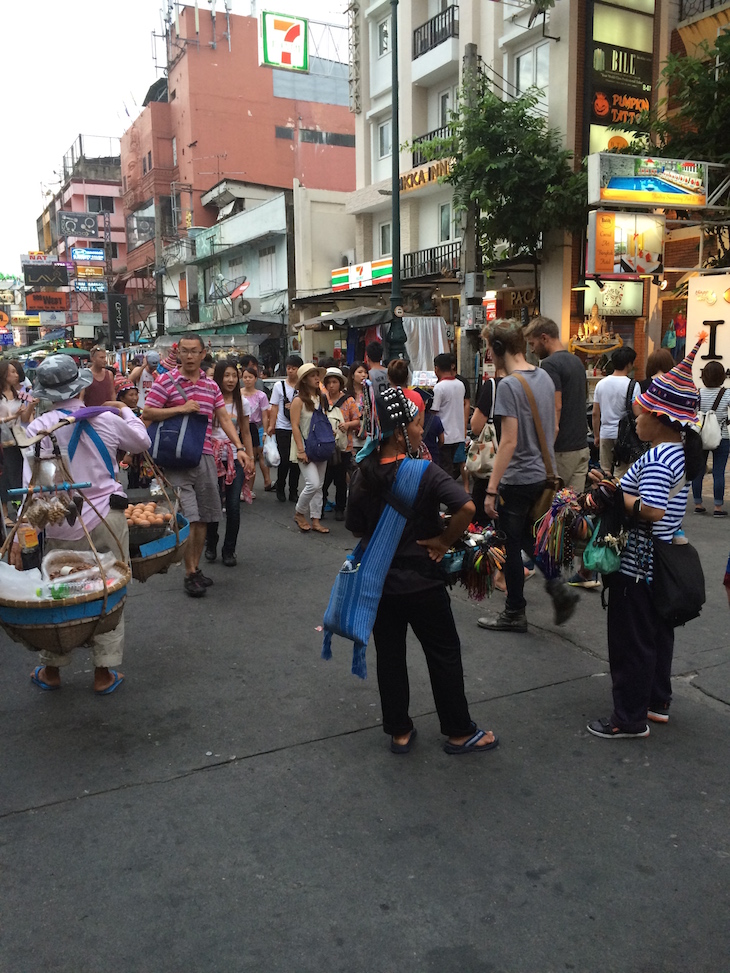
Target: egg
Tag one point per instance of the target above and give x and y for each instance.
(167, 517)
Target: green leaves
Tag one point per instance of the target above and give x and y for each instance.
(514, 167)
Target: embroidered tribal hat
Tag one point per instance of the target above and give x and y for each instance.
(170, 361)
(122, 384)
(673, 396)
(382, 415)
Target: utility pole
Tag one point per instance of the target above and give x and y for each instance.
(159, 270)
(397, 334)
(472, 312)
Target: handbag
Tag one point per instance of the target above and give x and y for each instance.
(711, 432)
(358, 587)
(678, 582)
(482, 451)
(320, 443)
(553, 482)
(628, 447)
(670, 337)
(598, 556)
(177, 442)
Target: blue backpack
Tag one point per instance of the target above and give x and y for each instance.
(320, 443)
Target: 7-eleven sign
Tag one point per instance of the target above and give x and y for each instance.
(283, 42)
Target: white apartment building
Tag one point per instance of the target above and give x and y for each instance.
(518, 49)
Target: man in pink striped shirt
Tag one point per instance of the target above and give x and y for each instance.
(92, 457)
(198, 486)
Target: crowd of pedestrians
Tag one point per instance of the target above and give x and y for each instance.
(342, 435)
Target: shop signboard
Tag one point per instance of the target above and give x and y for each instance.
(362, 275)
(53, 319)
(283, 41)
(88, 254)
(118, 314)
(26, 321)
(708, 311)
(90, 319)
(46, 275)
(7, 297)
(58, 301)
(646, 181)
(78, 224)
(4, 319)
(624, 243)
(89, 271)
(84, 286)
(6, 337)
(618, 298)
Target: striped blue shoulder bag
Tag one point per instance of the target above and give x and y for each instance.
(358, 586)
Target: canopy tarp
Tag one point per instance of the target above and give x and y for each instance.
(354, 317)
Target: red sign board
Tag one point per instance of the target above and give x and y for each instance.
(57, 301)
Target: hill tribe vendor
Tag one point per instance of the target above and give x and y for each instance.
(93, 458)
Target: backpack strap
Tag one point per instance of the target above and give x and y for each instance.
(493, 383)
(722, 391)
(85, 426)
(630, 396)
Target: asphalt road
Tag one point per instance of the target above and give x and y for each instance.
(234, 806)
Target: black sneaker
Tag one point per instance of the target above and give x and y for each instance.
(280, 495)
(193, 586)
(607, 731)
(506, 621)
(210, 554)
(339, 515)
(293, 497)
(660, 714)
(202, 579)
(564, 600)
(229, 560)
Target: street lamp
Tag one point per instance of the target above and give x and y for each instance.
(397, 334)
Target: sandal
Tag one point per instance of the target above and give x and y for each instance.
(471, 745)
(403, 747)
(301, 521)
(316, 526)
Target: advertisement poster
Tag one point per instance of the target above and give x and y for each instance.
(708, 310)
(646, 181)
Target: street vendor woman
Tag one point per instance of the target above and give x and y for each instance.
(58, 380)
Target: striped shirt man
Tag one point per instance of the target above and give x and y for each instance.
(653, 477)
(164, 395)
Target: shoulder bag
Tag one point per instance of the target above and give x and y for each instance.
(177, 442)
(481, 453)
(678, 582)
(711, 432)
(554, 483)
(358, 586)
(628, 447)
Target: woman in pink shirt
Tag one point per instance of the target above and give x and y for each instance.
(258, 403)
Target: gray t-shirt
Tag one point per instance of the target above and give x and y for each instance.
(569, 378)
(526, 465)
(379, 377)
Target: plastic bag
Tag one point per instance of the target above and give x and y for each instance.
(598, 556)
(82, 564)
(271, 451)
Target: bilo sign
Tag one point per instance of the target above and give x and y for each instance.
(118, 319)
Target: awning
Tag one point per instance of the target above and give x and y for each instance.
(354, 317)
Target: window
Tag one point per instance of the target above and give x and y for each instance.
(110, 249)
(100, 204)
(384, 37)
(384, 239)
(532, 70)
(284, 132)
(326, 138)
(174, 151)
(173, 94)
(267, 269)
(144, 165)
(149, 161)
(445, 222)
(385, 139)
(235, 263)
(311, 135)
(444, 108)
(124, 183)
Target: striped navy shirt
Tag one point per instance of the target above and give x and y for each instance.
(652, 477)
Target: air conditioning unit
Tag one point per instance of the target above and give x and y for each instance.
(347, 259)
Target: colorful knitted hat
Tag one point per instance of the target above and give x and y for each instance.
(170, 361)
(122, 384)
(673, 395)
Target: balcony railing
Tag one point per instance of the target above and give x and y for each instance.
(690, 8)
(435, 31)
(441, 261)
(419, 159)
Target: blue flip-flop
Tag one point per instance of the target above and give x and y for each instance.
(470, 745)
(118, 680)
(37, 681)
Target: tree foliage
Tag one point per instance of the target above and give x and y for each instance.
(690, 120)
(514, 168)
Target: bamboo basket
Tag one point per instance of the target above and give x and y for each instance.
(60, 626)
(158, 555)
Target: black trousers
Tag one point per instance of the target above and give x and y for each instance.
(287, 469)
(513, 509)
(337, 474)
(231, 497)
(640, 650)
(446, 458)
(429, 615)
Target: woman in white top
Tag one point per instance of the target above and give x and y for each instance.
(230, 471)
(713, 376)
(302, 409)
(258, 404)
(16, 406)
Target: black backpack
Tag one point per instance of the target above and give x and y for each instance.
(628, 447)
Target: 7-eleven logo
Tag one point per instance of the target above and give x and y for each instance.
(283, 42)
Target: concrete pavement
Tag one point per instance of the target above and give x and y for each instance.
(234, 806)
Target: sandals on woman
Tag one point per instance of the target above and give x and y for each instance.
(316, 526)
(472, 744)
(301, 521)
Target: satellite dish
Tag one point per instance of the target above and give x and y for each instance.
(244, 306)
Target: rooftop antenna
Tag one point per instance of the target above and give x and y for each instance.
(227, 35)
(213, 43)
(197, 18)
